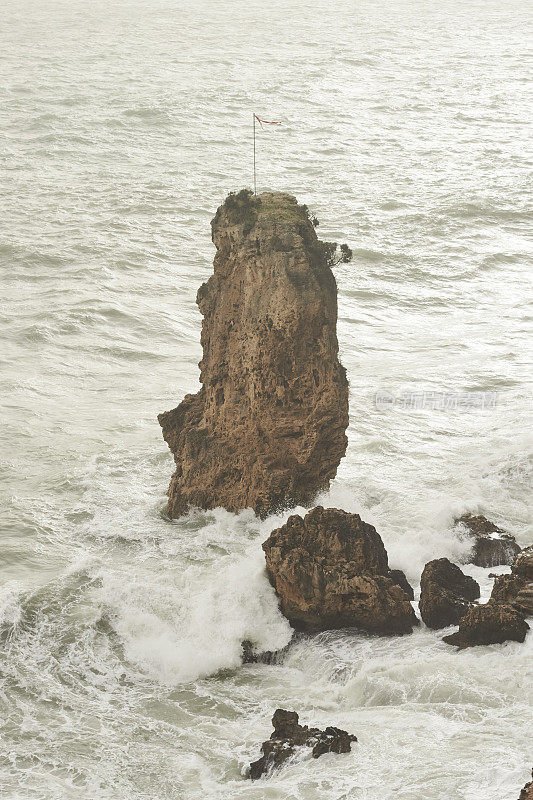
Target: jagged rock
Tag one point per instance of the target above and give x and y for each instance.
(516, 588)
(289, 735)
(527, 791)
(267, 428)
(330, 570)
(506, 588)
(493, 546)
(446, 593)
(251, 656)
(491, 623)
(398, 577)
(523, 564)
(523, 601)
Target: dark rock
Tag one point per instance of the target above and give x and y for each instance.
(446, 593)
(492, 623)
(397, 576)
(506, 588)
(289, 735)
(527, 791)
(251, 656)
(523, 601)
(267, 428)
(516, 588)
(492, 545)
(330, 570)
(523, 564)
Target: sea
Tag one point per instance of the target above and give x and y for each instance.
(406, 128)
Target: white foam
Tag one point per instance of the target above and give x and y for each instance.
(192, 624)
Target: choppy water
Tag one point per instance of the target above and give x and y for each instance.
(405, 128)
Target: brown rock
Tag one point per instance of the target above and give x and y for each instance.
(398, 577)
(506, 588)
(527, 791)
(330, 570)
(289, 735)
(491, 623)
(493, 546)
(446, 593)
(523, 564)
(267, 428)
(516, 588)
(523, 601)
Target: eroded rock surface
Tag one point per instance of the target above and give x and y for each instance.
(289, 735)
(491, 623)
(267, 428)
(398, 577)
(330, 570)
(492, 545)
(516, 588)
(446, 593)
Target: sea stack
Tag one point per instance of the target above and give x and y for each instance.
(267, 428)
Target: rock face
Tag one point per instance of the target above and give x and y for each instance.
(267, 428)
(446, 593)
(516, 588)
(492, 623)
(398, 577)
(493, 546)
(330, 570)
(527, 791)
(251, 656)
(523, 564)
(289, 735)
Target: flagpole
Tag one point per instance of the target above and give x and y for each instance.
(255, 182)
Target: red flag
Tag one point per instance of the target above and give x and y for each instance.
(260, 121)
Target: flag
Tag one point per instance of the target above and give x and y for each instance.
(260, 121)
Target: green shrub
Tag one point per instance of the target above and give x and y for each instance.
(242, 207)
(332, 257)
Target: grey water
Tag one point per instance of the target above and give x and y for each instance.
(406, 129)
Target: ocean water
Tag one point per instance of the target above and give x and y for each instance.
(124, 125)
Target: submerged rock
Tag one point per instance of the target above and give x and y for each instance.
(330, 570)
(491, 623)
(267, 428)
(527, 791)
(446, 593)
(250, 654)
(492, 546)
(516, 588)
(289, 735)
